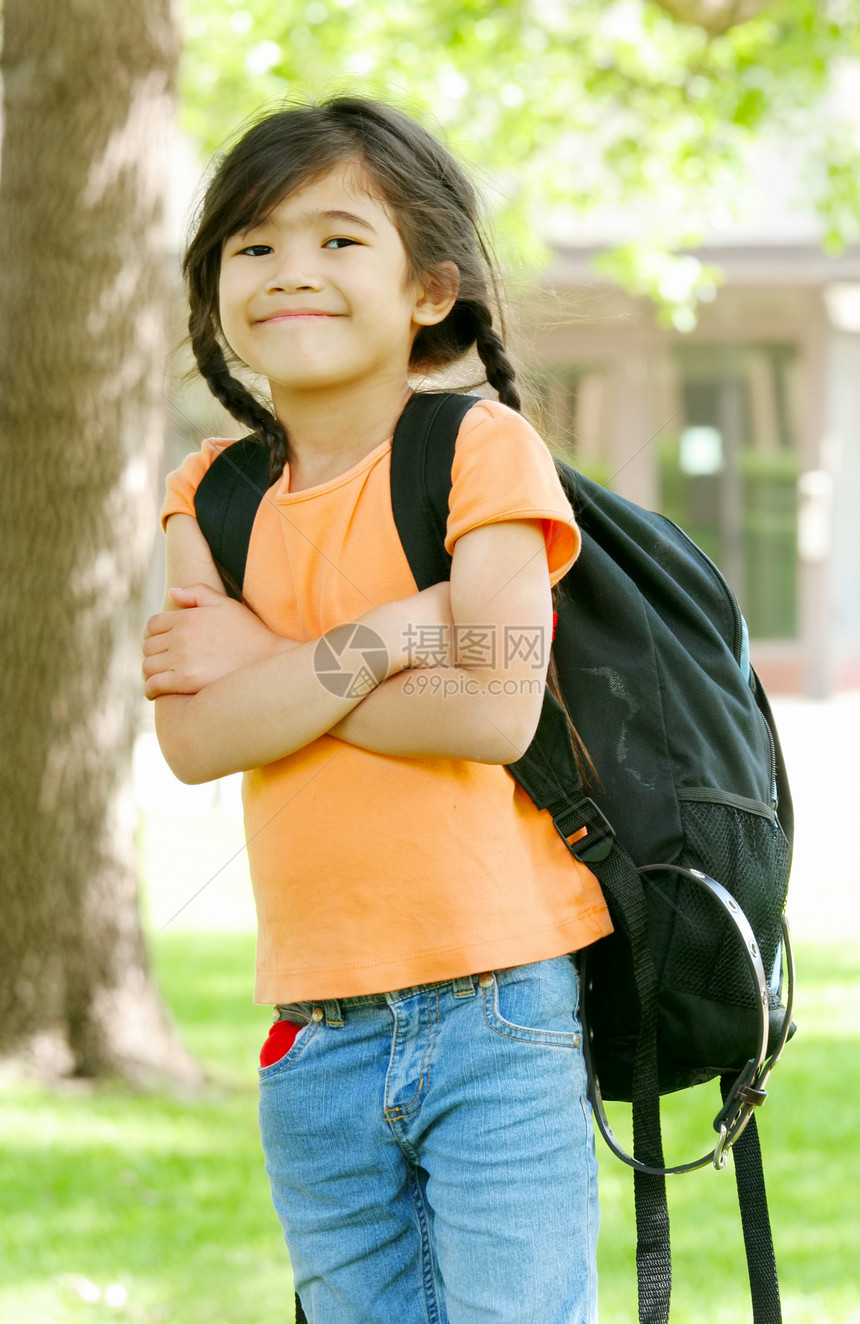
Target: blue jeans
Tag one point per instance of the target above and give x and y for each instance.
(431, 1153)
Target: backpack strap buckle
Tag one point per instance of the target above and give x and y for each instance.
(571, 820)
(721, 1156)
(739, 1099)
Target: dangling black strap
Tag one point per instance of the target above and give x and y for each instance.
(755, 1219)
(622, 885)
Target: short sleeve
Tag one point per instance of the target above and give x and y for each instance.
(503, 471)
(182, 483)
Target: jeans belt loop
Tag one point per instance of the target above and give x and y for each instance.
(333, 1014)
(463, 987)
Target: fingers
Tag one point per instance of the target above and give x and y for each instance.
(159, 679)
(167, 682)
(196, 595)
(151, 665)
(159, 624)
(154, 644)
(153, 688)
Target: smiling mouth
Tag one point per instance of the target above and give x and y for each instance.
(300, 315)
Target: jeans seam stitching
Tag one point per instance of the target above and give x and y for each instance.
(549, 1038)
(433, 1026)
(427, 1277)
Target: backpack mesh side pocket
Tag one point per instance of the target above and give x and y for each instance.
(708, 1001)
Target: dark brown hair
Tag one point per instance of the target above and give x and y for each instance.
(432, 204)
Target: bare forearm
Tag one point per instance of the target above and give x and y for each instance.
(260, 712)
(444, 712)
(255, 715)
(268, 709)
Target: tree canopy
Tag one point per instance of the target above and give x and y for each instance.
(566, 106)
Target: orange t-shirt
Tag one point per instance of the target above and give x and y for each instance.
(373, 872)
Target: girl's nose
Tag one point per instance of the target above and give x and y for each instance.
(293, 274)
(291, 284)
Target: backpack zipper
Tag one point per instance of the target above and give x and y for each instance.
(774, 782)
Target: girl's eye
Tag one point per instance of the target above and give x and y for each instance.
(339, 241)
(254, 250)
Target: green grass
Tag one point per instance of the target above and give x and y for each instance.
(169, 1199)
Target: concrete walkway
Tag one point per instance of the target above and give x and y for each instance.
(193, 855)
(821, 742)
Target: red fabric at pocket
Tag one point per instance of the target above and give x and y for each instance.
(281, 1039)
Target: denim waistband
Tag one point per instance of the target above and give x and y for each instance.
(331, 1009)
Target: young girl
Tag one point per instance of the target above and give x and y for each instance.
(422, 1100)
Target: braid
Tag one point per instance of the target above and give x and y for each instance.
(491, 349)
(235, 397)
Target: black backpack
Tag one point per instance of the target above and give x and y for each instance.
(680, 813)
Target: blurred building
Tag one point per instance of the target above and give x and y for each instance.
(746, 429)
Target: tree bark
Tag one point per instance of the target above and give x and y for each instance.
(88, 103)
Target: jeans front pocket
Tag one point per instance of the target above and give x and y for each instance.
(288, 1040)
(279, 1041)
(537, 1003)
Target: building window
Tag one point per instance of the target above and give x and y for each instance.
(729, 474)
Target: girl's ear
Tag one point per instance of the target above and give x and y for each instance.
(436, 295)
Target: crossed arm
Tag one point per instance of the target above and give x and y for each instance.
(230, 694)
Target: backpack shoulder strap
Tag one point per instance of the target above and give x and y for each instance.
(227, 501)
(422, 456)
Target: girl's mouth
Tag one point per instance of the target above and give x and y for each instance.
(288, 314)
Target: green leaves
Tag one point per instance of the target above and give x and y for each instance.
(564, 107)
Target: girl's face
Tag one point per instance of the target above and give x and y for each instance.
(316, 297)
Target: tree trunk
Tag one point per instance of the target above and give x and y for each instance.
(88, 101)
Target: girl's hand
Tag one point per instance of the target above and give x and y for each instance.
(207, 637)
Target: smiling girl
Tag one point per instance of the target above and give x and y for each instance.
(422, 1094)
